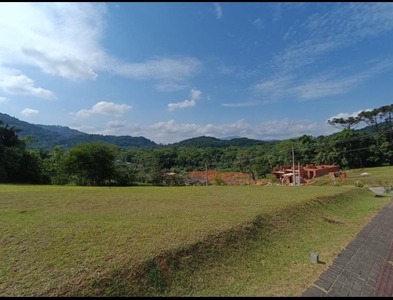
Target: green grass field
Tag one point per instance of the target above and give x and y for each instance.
(174, 241)
(374, 179)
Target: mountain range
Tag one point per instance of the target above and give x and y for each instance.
(49, 136)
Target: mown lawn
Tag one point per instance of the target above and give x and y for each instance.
(85, 241)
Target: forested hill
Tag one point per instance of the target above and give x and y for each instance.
(124, 141)
(63, 130)
(49, 136)
(207, 141)
(45, 137)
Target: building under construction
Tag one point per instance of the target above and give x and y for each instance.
(310, 171)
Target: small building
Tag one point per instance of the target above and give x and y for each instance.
(310, 171)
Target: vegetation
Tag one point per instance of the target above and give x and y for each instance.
(47, 137)
(183, 241)
(147, 164)
(277, 263)
(43, 137)
(207, 141)
(108, 240)
(16, 163)
(370, 177)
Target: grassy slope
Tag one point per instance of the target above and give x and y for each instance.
(377, 175)
(278, 262)
(99, 241)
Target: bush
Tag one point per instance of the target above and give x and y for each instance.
(219, 181)
(358, 183)
(174, 180)
(273, 178)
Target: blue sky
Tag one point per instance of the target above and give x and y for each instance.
(172, 71)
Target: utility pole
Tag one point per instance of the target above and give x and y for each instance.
(293, 166)
(206, 174)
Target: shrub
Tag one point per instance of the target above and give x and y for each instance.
(273, 178)
(219, 181)
(358, 183)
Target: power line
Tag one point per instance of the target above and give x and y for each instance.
(331, 143)
(312, 147)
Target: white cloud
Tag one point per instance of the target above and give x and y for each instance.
(29, 112)
(3, 100)
(61, 39)
(274, 87)
(258, 23)
(276, 11)
(320, 88)
(279, 7)
(321, 84)
(170, 132)
(194, 94)
(226, 70)
(289, 34)
(248, 103)
(218, 10)
(72, 68)
(238, 72)
(343, 25)
(333, 83)
(347, 115)
(170, 87)
(65, 39)
(22, 85)
(86, 128)
(184, 104)
(104, 108)
(175, 69)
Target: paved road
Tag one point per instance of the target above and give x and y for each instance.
(365, 266)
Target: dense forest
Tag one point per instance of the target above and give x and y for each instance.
(49, 136)
(94, 162)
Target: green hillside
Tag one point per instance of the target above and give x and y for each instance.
(49, 136)
(208, 141)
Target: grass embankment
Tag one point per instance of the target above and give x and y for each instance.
(376, 177)
(184, 241)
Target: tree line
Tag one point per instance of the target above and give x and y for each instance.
(97, 163)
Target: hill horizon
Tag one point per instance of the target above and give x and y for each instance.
(49, 135)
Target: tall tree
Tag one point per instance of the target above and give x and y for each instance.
(372, 119)
(306, 149)
(9, 136)
(16, 163)
(342, 123)
(386, 114)
(91, 163)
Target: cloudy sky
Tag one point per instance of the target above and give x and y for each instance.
(172, 71)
